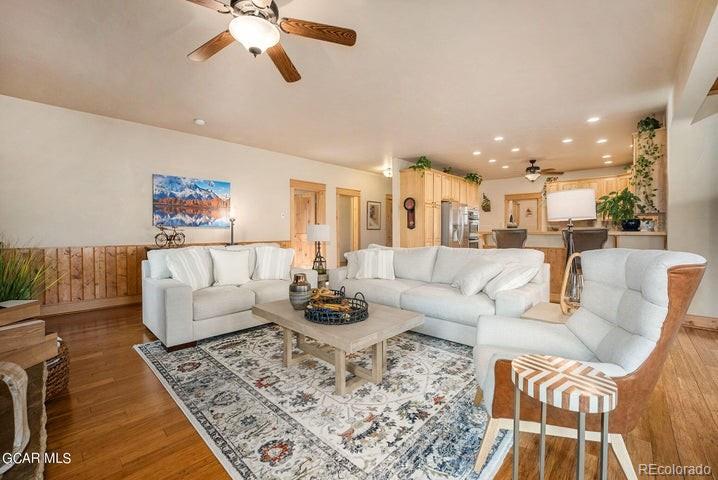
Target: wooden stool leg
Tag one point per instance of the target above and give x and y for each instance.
(581, 446)
(542, 443)
(517, 431)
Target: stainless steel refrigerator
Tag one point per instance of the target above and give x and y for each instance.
(454, 225)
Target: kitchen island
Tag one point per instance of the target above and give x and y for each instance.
(551, 243)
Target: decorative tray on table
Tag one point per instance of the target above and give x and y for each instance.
(332, 307)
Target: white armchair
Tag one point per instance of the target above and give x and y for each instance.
(632, 305)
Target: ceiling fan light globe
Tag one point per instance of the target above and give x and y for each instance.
(254, 33)
(532, 177)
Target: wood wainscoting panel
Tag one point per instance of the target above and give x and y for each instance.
(93, 277)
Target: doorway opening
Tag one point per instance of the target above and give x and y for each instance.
(307, 207)
(348, 222)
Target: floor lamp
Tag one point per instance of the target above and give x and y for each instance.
(567, 206)
(318, 234)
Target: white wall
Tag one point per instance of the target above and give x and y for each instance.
(70, 179)
(496, 189)
(693, 201)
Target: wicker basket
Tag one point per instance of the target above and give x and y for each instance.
(58, 371)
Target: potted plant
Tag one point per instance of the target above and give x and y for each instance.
(421, 165)
(22, 273)
(472, 177)
(621, 207)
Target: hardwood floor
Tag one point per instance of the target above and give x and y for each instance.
(118, 422)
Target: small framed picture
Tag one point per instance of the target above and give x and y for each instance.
(373, 215)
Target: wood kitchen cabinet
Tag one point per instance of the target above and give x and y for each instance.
(429, 189)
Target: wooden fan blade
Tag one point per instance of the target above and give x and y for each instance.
(551, 171)
(218, 6)
(283, 63)
(211, 47)
(318, 31)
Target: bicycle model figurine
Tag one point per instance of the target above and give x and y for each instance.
(169, 237)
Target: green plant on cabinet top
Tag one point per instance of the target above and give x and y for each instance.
(421, 165)
(22, 273)
(472, 177)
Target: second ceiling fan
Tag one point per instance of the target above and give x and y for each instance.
(256, 25)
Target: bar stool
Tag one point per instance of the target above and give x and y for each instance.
(510, 237)
(569, 385)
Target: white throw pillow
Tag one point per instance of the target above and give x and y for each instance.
(192, 266)
(273, 263)
(474, 276)
(230, 267)
(376, 263)
(352, 264)
(514, 275)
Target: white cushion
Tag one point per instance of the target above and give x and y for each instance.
(449, 261)
(273, 263)
(230, 267)
(376, 290)
(251, 248)
(352, 263)
(266, 291)
(375, 263)
(217, 301)
(158, 261)
(474, 276)
(513, 276)
(191, 266)
(413, 263)
(447, 303)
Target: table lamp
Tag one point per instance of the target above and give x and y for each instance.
(567, 206)
(318, 234)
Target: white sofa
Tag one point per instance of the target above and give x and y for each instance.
(423, 284)
(177, 315)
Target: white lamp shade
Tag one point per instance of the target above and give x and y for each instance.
(318, 233)
(578, 204)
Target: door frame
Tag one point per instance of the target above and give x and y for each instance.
(356, 217)
(320, 209)
(525, 196)
(389, 214)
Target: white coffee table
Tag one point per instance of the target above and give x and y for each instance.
(339, 340)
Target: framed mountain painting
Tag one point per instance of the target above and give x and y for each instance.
(189, 202)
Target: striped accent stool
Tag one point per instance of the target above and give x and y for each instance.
(566, 384)
(569, 385)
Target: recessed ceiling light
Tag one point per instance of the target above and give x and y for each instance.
(606, 156)
(504, 166)
(601, 140)
(476, 153)
(493, 160)
(567, 140)
(499, 139)
(199, 122)
(515, 149)
(593, 119)
(608, 162)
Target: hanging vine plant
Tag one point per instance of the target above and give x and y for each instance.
(649, 152)
(544, 190)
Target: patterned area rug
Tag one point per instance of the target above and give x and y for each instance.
(265, 421)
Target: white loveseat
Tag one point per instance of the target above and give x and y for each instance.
(177, 315)
(423, 284)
